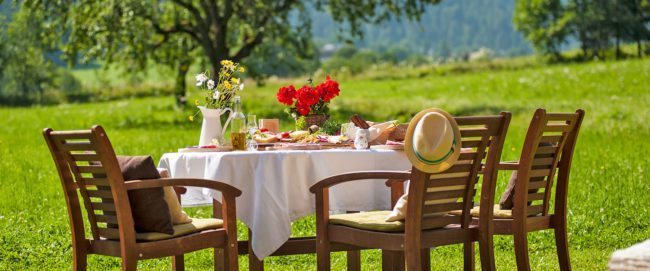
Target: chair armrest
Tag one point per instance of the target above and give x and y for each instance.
(392, 182)
(508, 165)
(216, 185)
(359, 175)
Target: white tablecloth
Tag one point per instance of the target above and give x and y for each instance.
(275, 185)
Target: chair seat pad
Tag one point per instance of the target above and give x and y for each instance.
(498, 212)
(197, 225)
(372, 221)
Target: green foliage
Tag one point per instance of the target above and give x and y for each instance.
(27, 74)
(331, 127)
(607, 191)
(596, 24)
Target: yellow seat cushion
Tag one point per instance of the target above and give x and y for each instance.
(372, 221)
(197, 225)
(498, 212)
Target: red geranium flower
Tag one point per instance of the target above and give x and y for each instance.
(329, 89)
(303, 110)
(286, 95)
(307, 96)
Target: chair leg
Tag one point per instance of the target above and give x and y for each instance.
(80, 260)
(354, 260)
(392, 260)
(521, 250)
(486, 249)
(562, 244)
(323, 256)
(468, 256)
(129, 264)
(413, 259)
(219, 260)
(178, 262)
(426, 259)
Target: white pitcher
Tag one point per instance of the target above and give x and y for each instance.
(211, 127)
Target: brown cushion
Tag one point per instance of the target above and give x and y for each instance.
(475, 212)
(148, 207)
(506, 202)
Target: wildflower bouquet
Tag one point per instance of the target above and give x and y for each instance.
(309, 100)
(219, 93)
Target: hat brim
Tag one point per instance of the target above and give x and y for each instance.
(439, 166)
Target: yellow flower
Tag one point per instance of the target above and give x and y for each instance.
(241, 69)
(196, 102)
(234, 80)
(226, 62)
(191, 118)
(227, 85)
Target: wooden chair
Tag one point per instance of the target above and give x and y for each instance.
(87, 164)
(546, 156)
(431, 197)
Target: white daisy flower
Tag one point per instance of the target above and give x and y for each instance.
(215, 95)
(200, 79)
(211, 84)
(241, 87)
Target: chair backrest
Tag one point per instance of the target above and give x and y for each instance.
(548, 148)
(432, 196)
(87, 164)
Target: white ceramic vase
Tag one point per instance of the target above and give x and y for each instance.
(211, 127)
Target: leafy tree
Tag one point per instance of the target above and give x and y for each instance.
(544, 23)
(134, 32)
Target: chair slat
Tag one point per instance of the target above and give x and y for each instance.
(448, 182)
(561, 116)
(474, 143)
(108, 232)
(551, 138)
(545, 161)
(537, 185)
(558, 128)
(546, 150)
(103, 206)
(66, 135)
(439, 222)
(536, 196)
(469, 156)
(478, 120)
(104, 194)
(77, 146)
(474, 132)
(96, 181)
(85, 157)
(539, 173)
(444, 194)
(535, 210)
(459, 168)
(444, 207)
(110, 219)
(91, 169)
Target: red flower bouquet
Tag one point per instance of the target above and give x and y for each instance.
(309, 100)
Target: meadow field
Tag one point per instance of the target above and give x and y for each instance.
(608, 191)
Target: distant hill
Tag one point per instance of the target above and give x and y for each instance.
(452, 26)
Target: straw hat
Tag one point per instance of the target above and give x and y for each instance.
(432, 141)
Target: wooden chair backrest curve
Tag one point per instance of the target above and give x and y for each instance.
(432, 196)
(87, 164)
(548, 148)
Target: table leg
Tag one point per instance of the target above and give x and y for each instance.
(254, 264)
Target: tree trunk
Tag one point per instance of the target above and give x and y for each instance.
(638, 48)
(618, 46)
(181, 87)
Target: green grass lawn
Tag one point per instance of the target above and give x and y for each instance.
(609, 188)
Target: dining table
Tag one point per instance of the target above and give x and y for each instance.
(275, 189)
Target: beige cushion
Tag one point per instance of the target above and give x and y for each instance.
(498, 212)
(177, 214)
(175, 211)
(373, 221)
(197, 225)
